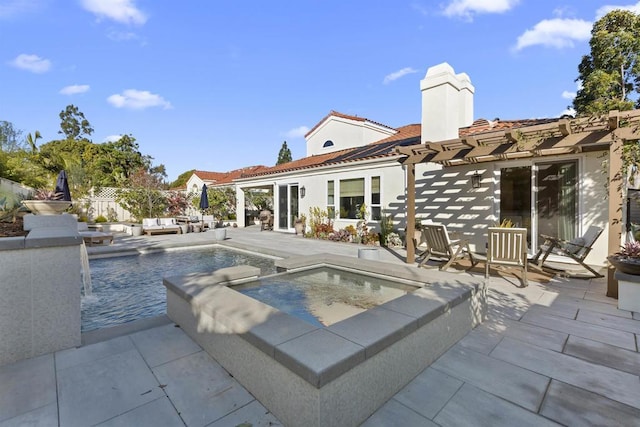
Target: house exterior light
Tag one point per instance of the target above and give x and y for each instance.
(475, 180)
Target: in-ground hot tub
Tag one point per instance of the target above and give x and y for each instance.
(337, 375)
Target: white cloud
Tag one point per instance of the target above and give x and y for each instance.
(568, 111)
(298, 132)
(603, 10)
(112, 138)
(558, 33)
(120, 36)
(568, 95)
(467, 8)
(397, 74)
(74, 89)
(138, 100)
(32, 63)
(122, 11)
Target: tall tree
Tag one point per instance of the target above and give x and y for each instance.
(73, 124)
(284, 155)
(9, 137)
(610, 74)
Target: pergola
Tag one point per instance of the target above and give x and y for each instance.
(563, 136)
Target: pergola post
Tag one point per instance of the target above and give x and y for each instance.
(616, 181)
(411, 212)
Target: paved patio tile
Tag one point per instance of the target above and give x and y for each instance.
(164, 344)
(474, 407)
(600, 297)
(159, 413)
(45, 416)
(609, 321)
(253, 414)
(482, 339)
(427, 393)
(604, 354)
(566, 311)
(581, 329)
(574, 406)
(393, 413)
(599, 307)
(91, 393)
(27, 385)
(616, 385)
(92, 353)
(517, 385)
(200, 389)
(543, 337)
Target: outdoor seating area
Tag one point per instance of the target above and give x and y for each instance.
(160, 226)
(440, 245)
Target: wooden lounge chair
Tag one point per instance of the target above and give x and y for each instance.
(441, 246)
(576, 249)
(507, 247)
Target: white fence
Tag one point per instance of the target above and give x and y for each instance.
(103, 203)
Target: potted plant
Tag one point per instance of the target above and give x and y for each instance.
(46, 203)
(628, 259)
(627, 264)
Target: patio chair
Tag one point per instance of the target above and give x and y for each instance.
(440, 245)
(576, 249)
(507, 247)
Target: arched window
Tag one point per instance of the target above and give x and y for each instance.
(327, 143)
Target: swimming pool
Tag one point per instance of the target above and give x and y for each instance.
(130, 288)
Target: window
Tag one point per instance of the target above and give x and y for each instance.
(327, 143)
(331, 200)
(351, 197)
(376, 211)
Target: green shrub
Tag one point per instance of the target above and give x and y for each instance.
(100, 218)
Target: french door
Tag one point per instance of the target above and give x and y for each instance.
(542, 197)
(287, 205)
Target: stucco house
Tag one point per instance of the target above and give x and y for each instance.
(549, 175)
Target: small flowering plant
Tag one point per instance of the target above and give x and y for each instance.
(630, 250)
(42, 194)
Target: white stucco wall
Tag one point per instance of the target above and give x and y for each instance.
(344, 133)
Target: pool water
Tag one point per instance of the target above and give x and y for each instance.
(323, 296)
(130, 288)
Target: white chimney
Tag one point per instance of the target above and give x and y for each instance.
(447, 103)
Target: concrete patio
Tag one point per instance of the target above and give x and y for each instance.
(557, 353)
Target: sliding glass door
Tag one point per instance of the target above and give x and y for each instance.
(542, 197)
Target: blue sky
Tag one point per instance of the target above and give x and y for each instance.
(219, 85)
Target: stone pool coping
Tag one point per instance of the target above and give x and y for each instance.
(308, 375)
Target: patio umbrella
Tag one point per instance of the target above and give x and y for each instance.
(62, 187)
(204, 201)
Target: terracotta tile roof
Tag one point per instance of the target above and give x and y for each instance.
(344, 116)
(407, 135)
(222, 178)
(484, 125)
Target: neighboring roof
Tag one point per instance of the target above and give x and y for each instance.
(484, 125)
(222, 178)
(406, 135)
(344, 116)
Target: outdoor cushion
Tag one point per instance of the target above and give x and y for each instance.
(575, 245)
(166, 221)
(149, 222)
